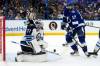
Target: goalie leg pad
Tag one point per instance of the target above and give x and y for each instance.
(36, 46)
(43, 44)
(32, 58)
(25, 48)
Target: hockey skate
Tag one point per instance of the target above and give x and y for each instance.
(30, 56)
(93, 53)
(75, 53)
(87, 54)
(19, 53)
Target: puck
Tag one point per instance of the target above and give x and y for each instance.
(54, 50)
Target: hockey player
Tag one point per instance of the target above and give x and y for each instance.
(74, 24)
(97, 48)
(32, 44)
(33, 39)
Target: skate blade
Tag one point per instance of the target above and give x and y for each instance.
(95, 56)
(75, 55)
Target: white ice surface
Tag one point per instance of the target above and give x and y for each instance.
(55, 42)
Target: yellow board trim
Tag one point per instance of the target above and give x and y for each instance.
(14, 34)
(92, 34)
(51, 34)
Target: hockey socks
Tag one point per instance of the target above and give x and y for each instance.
(97, 47)
(84, 49)
(74, 47)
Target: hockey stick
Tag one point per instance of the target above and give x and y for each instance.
(74, 38)
(76, 42)
(52, 52)
(31, 47)
(21, 44)
(93, 26)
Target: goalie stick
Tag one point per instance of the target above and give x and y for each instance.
(20, 44)
(31, 47)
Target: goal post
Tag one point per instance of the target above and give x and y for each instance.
(2, 38)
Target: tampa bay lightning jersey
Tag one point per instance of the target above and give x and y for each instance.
(73, 18)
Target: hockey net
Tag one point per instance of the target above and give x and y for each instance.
(2, 38)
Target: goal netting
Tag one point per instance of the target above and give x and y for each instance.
(2, 38)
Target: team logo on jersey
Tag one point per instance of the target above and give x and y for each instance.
(53, 25)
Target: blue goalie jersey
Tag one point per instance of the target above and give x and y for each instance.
(73, 18)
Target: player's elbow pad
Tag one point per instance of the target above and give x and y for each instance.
(64, 19)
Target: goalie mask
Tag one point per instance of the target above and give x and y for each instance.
(38, 25)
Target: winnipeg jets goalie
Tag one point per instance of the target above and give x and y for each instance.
(32, 44)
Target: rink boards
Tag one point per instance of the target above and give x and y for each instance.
(51, 27)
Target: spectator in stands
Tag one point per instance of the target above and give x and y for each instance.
(25, 4)
(23, 13)
(99, 14)
(11, 15)
(32, 14)
(18, 16)
(14, 9)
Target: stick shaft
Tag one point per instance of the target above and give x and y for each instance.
(30, 47)
(20, 44)
(93, 26)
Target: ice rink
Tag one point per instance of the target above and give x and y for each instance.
(55, 42)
